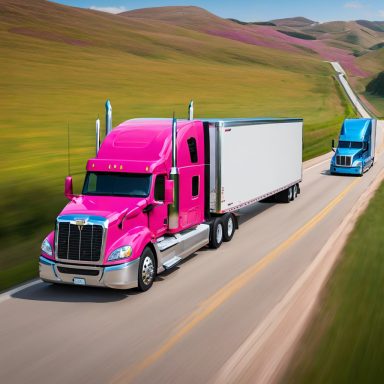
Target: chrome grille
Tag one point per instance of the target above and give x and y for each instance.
(79, 242)
(344, 161)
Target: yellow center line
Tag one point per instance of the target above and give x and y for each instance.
(229, 290)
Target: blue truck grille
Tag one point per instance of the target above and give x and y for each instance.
(80, 243)
(345, 161)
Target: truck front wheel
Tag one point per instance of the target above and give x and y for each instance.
(146, 273)
(229, 226)
(217, 233)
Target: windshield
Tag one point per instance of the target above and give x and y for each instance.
(350, 144)
(116, 184)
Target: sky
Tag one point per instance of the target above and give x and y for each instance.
(255, 10)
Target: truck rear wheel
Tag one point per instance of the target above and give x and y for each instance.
(294, 192)
(290, 194)
(285, 196)
(146, 273)
(217, 233)
(229, 226)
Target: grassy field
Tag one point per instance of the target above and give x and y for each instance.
(59, 65)
(378, 103)
(344, 343)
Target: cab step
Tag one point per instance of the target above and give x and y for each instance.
(172, 249)
(172, 262)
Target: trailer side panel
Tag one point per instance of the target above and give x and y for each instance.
(253, 161)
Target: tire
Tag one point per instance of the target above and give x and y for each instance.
(295, 192)
(290, 194)
(229, 226)
(147, 270)
(285, 196)
(371, 165)
(217, 233)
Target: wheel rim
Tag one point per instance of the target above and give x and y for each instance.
(219, 233)
(295, 191)
(230, 227)
(290, 193)
(147, 271)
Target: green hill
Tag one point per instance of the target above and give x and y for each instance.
(59, 64)
(376, 86)
(373, 63)
(294, 22)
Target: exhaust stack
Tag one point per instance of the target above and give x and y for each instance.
(97, 135)
(174, 142)
(173, 209)
(108, 117)
(190, 111)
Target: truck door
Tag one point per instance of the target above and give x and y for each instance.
(367, 154)
(158, 217)
(368, 145)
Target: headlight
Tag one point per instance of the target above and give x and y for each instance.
(120, 253)
(46, 247)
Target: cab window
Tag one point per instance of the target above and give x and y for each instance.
(160, 188)
(195, 186)
(192, 149)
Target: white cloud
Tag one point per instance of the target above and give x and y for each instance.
(353, 5)
(108, 9)
(381, 13)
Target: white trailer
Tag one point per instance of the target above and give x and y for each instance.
(253, 159)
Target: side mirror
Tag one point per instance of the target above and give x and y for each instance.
(333, 145)
(68, 188)
(169, 187)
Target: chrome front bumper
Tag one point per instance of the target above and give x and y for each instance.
(121, 276)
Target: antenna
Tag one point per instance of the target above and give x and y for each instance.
(69, 153)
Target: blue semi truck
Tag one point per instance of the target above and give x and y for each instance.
(355, 152)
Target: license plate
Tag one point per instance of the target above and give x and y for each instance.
(78, 281)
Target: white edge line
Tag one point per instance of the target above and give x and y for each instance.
(7, 294)
(316, 165)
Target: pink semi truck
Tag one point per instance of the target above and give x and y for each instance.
(160, 189)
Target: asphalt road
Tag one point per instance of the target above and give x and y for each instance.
(192, 320)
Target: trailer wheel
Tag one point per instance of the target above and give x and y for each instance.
(217, 232)
(229, 226)
(285, 196)
(294, 192)
(290, 195)
(146, 273)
